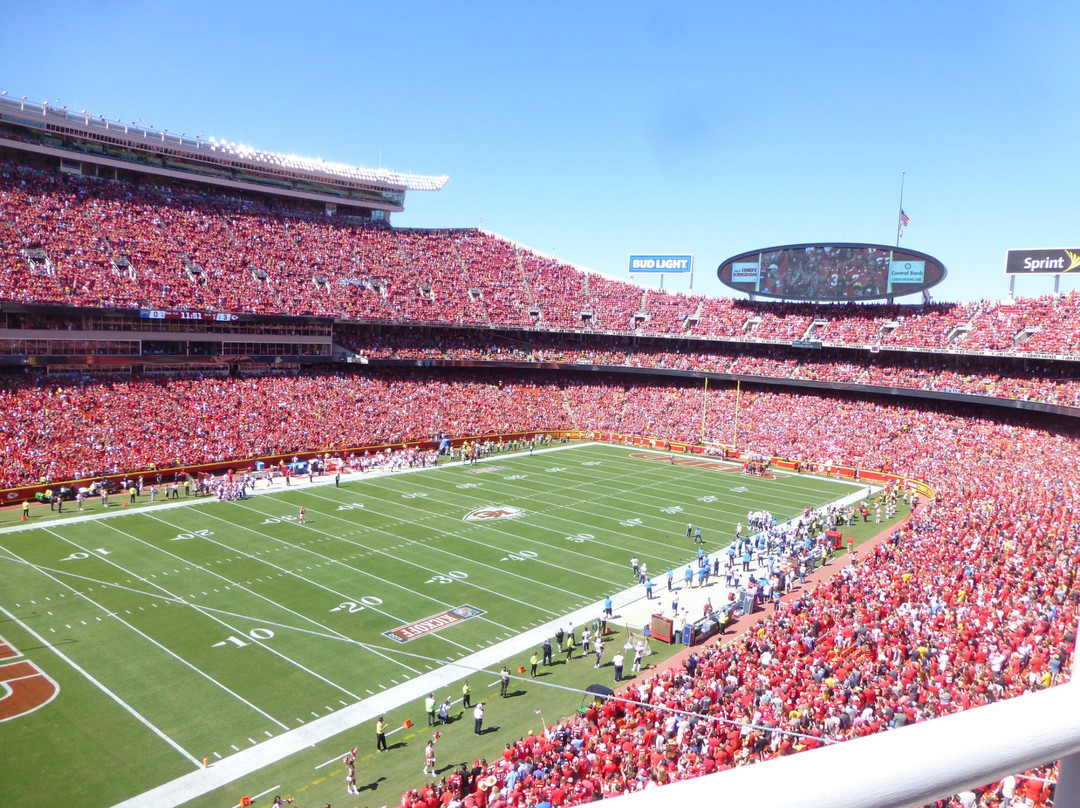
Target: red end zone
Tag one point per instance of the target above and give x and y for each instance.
(24, 687)
(696, 462)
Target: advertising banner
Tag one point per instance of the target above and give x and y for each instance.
(1050, 261)
(661, 263)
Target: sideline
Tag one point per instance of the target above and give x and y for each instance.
(298, 484)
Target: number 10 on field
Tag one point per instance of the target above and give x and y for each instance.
(255, 634)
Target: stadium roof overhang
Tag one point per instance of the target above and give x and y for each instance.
(345, 184)
(202, 179)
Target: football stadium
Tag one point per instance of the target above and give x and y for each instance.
(303, 507)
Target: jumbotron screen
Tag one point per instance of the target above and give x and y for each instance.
(830, 272)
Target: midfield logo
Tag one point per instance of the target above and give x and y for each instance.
(493, 512)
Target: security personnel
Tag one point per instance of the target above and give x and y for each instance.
(466, 695)
(380, 734)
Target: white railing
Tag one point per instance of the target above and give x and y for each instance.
(906, 767)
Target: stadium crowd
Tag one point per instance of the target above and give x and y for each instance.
(970, 376)
(84, 241)
(192, 418)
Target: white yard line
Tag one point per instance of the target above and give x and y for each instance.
(149, 639)
(385, 581)
(86, 675)
(198, 607)
(500, 571)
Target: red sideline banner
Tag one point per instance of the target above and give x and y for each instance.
(11, 496)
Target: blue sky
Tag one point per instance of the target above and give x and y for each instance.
(596, 130)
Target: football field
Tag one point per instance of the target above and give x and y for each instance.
(140, 643)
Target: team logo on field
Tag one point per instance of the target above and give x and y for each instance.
(434, 623)
(24, 687)
(486, 469)
(493, 512)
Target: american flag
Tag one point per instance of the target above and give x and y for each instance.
(905, 220)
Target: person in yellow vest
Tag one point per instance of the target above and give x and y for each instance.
(133, 491)
(25, 509)
(380, 734)
(429, 708)
(466, 695)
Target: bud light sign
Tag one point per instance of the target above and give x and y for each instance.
(661, 263)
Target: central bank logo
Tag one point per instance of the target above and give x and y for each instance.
(493, 512)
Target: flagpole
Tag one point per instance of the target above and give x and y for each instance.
(900, 212)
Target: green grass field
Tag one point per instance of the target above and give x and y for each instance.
(231, 632)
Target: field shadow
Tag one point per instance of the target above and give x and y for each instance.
(372, 786)
(68, 641)
(28, 616)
